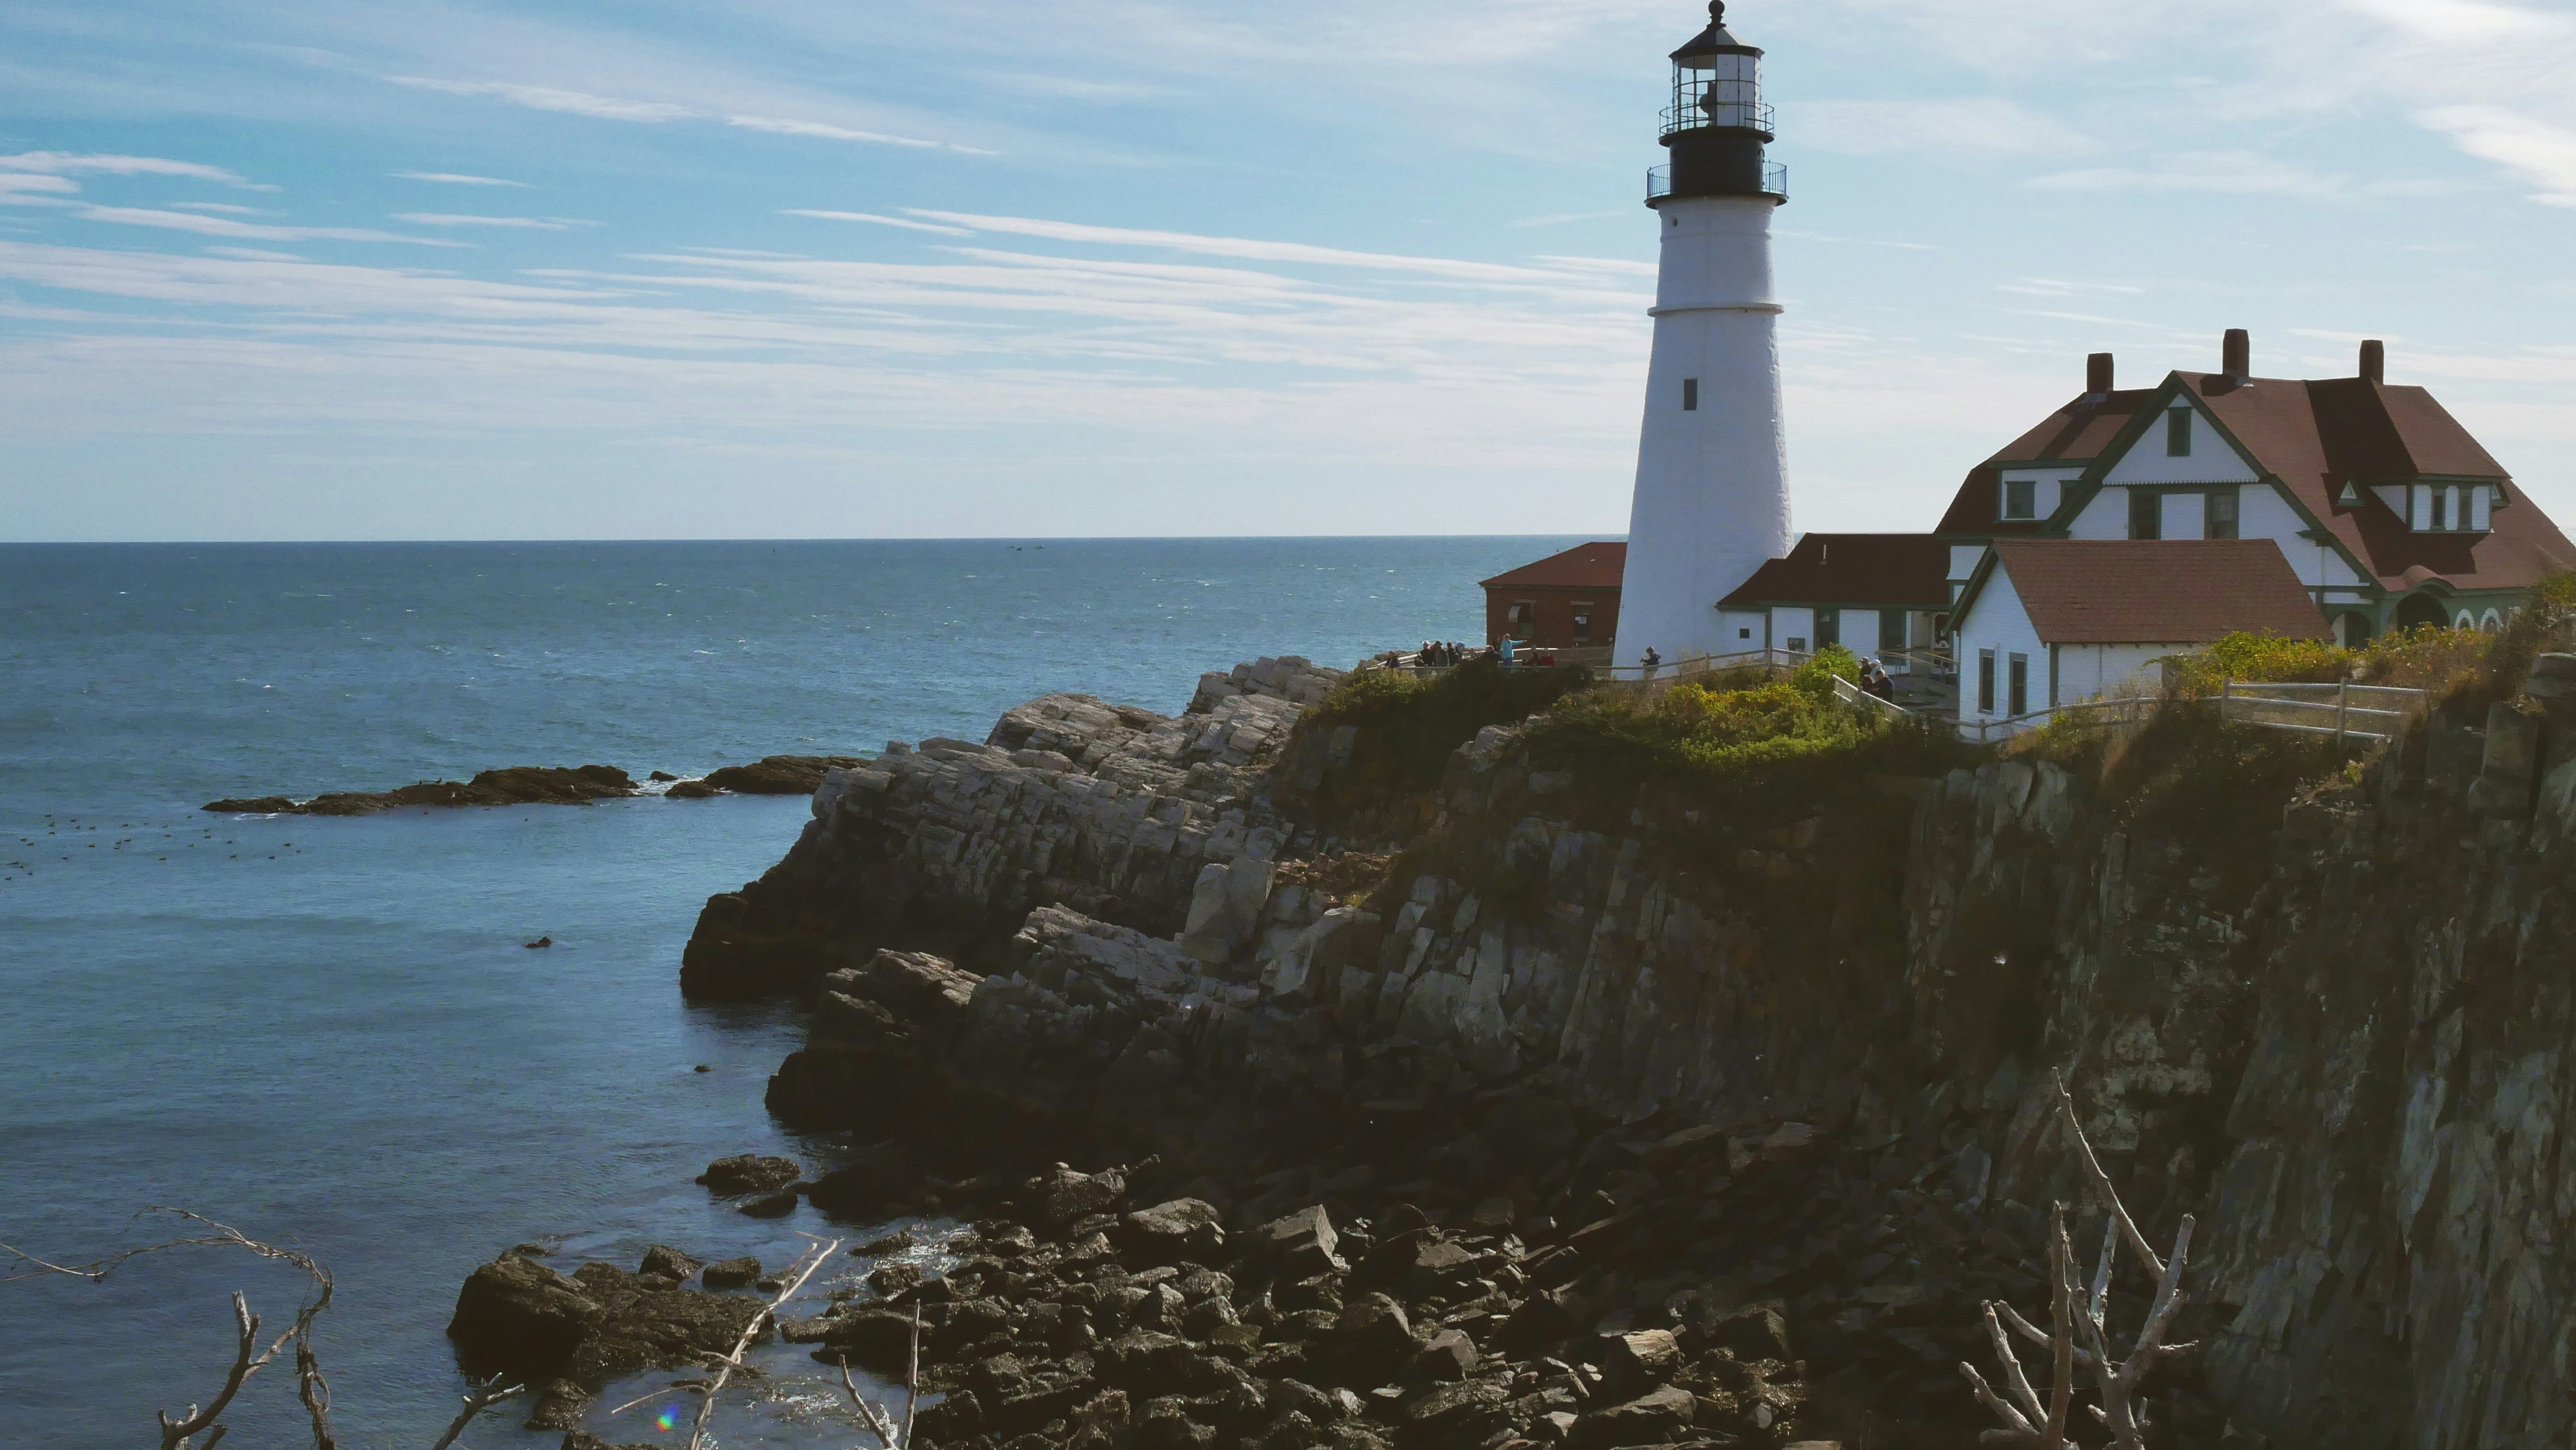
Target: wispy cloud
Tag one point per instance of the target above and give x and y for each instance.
(1961, 126)
(221, 208)
(1558, 219)
(615, 108)
(2053, 287)
(67, 163)
(32, 190)
(452, 178)
(215, 226)
(2237, 173)
(883, 221)
(525, 223)
(2533, 148)
(1245, 248)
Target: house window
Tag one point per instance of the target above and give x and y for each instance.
(2021, 498)
(1985, 682)
(1744, 632)
(2178, 433)
(1690, 395)
(2146, 514)
(1797, 644)
(2220, 520)
(1517, 617)
(1829, 628)
(1891, 630)
(2019, 684)
(1582, 622)
(2441, 509)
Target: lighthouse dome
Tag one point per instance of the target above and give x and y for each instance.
(1707, 47)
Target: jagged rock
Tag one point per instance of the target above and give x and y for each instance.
(1650, 1419)
(518, 1316)
(1449, 1355)
(1374, 1333)
(768, 1205)
(1168, 1232)
(669, 1263)
(584, 1440)
(1301, 1244)
(558, 1406)
(1634, 1364)
(780, 774)
(749, 1173)
(1060, 1195)
(739, 1273)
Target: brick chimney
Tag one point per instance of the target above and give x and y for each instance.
(2374, 361)
(2238, 355)
(2097, 375)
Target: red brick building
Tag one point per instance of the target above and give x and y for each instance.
(1564, 601)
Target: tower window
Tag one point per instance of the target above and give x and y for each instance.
(2178, 433)
(1690, 395)
(2021, 498)
(2441, 508)
(2220, 521)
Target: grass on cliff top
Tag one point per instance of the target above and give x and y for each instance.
(1743, 741)
(1412, 722)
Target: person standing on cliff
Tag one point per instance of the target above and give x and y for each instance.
(1649, 663)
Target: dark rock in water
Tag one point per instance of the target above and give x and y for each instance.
(691, 790)
(732, 1273)
(543, 941)
(515, 786)
(559, 1406)
(770, 1205)
(517, 1315)
(780, 774)
(750, 1173)
(880, 1178)
(893, 1243)
(670, 1263)
(584, 1440)
(537, 1248)
(878, 1338)
(266, 805)
(661, 775)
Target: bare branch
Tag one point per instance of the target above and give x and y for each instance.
(2015, 1381)
(2061, 1275)
(2015, 1423)
(482, 1397)
(912, 1378)
(804, 1271)
(2102, 1180)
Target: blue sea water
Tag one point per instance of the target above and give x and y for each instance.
(327, 1032)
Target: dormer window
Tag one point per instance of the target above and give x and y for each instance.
(2021, 498)
(2441, 508)
(2178, 433)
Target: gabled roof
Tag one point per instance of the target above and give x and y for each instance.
(2149, 591)
(1888, 570)
(2315, 436)
(2075, 434)
(1585, 566)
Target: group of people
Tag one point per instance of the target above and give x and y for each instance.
(1874, 680)
(1442, 653)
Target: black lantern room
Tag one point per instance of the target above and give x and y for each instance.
(1718, 123)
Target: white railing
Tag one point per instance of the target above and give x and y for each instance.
(1777, 659)
(2342, 709)
(2127, 710)
(1867, 703)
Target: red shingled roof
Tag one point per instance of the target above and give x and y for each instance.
(2151, 591)
(2315, 436)
(1889, 570)
(1585, 566)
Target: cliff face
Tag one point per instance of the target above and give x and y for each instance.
(2341, 1040)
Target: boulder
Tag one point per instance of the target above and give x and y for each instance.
(1754, 1332)
(669, 1263)
(780, 774)
(519, 1317)
(1059, 1196)
(749, 1173)
(1458, 1413)
(1184, 1228)
(1449, 1357)
(769, 1205)
(1373, 1336)
(739, 1273)
(1652, 1419)
(1633, 1364)
(1301, 1245)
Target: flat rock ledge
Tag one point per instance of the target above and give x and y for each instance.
(515, 786)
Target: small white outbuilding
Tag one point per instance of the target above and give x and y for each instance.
(2048, 622)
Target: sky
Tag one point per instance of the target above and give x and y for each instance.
(287, 269)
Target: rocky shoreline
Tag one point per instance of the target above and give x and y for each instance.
(1564, 1120)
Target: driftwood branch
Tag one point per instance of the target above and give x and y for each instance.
(877, 1418)
(805, 1268)
(313, 1389)
(2079, 1336)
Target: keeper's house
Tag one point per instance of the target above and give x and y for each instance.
(1566, 601)
(2043, 623)
(2389, 514)
(1873, 594)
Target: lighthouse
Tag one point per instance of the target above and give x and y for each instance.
(1712, 498)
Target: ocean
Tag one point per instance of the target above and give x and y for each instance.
(328, 1034)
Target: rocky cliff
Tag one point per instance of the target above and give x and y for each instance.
(2336, 1031)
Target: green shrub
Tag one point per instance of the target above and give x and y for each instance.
(1409, 724)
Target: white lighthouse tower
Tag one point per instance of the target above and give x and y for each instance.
(1712, 500)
